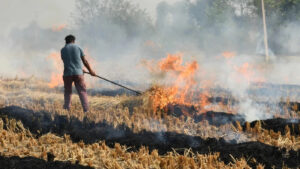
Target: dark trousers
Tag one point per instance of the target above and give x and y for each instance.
(81, 89)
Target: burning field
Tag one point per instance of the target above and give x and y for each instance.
(185, 123)
(204, 84)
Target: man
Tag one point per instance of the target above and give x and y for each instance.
(73, 57)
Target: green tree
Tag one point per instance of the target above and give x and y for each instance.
(208, 13)
(279, 15)
(279, 11)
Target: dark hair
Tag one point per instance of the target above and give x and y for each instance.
(70, 38)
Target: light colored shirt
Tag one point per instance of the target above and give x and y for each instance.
(71, 55)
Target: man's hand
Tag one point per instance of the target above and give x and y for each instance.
(92, 73)
(89, 72)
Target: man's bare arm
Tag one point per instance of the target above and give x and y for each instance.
(87, 65)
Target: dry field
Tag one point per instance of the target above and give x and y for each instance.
(129, 132)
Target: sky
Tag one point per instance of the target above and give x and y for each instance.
(49, 13)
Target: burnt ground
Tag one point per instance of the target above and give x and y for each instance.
(40, 123)
(32, 163)
(213, 118)
(279, 125)
(221, 118)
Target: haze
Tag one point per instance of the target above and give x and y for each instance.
(49, 13)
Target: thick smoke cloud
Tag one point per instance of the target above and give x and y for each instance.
(118, 35)
(119, 30)
(26, 51)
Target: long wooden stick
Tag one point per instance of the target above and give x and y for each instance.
(137, 92)
(265, 30)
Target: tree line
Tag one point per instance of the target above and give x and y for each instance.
(120, 23)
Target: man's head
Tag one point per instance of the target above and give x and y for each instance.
(70, 39)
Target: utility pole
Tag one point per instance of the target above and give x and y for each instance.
(265, 30)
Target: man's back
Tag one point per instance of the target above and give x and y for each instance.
(71, 55)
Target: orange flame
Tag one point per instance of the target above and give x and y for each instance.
(56, 78)
(248, 73)
(185, 90)
(57, 28)
(181, 90)
(228, 55)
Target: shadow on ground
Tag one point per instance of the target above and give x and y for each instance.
(40, 123)
(279, 125)
(213, 118)
(32, 162)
